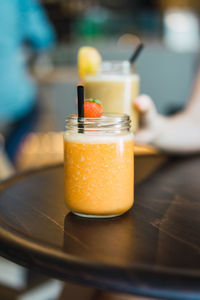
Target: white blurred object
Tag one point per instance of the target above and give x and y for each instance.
(49, 290)
(12, 275)
(181, 30)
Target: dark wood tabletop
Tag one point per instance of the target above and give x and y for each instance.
(153, 250)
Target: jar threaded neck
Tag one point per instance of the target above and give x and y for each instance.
(108, 123)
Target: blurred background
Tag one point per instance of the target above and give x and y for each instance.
(169, 29)
(167, 67)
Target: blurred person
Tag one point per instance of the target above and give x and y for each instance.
(20, 21)
(179, 133)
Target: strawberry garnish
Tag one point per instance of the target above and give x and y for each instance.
(93, 108)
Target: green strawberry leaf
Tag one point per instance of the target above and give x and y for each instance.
(97, 101)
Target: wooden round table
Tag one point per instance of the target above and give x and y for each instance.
(152, 250)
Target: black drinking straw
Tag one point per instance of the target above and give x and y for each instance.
(80, 94)
(136, 53)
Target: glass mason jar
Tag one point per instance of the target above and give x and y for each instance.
(99, 165)
(117, 86)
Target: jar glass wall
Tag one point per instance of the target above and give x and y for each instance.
(99, 165)
(117, 85)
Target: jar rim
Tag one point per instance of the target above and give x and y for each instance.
(106, 116)
(117, 62)
(115, 67)
(108, 121)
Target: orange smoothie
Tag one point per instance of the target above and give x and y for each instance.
(99, 173)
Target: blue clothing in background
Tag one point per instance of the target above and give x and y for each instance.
(20, 20)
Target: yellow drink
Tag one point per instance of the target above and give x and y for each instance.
(116, 88)
(99, 173)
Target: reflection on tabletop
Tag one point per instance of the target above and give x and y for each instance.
(87, 238)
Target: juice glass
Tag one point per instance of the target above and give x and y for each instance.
(99, 165)
(117, 86)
